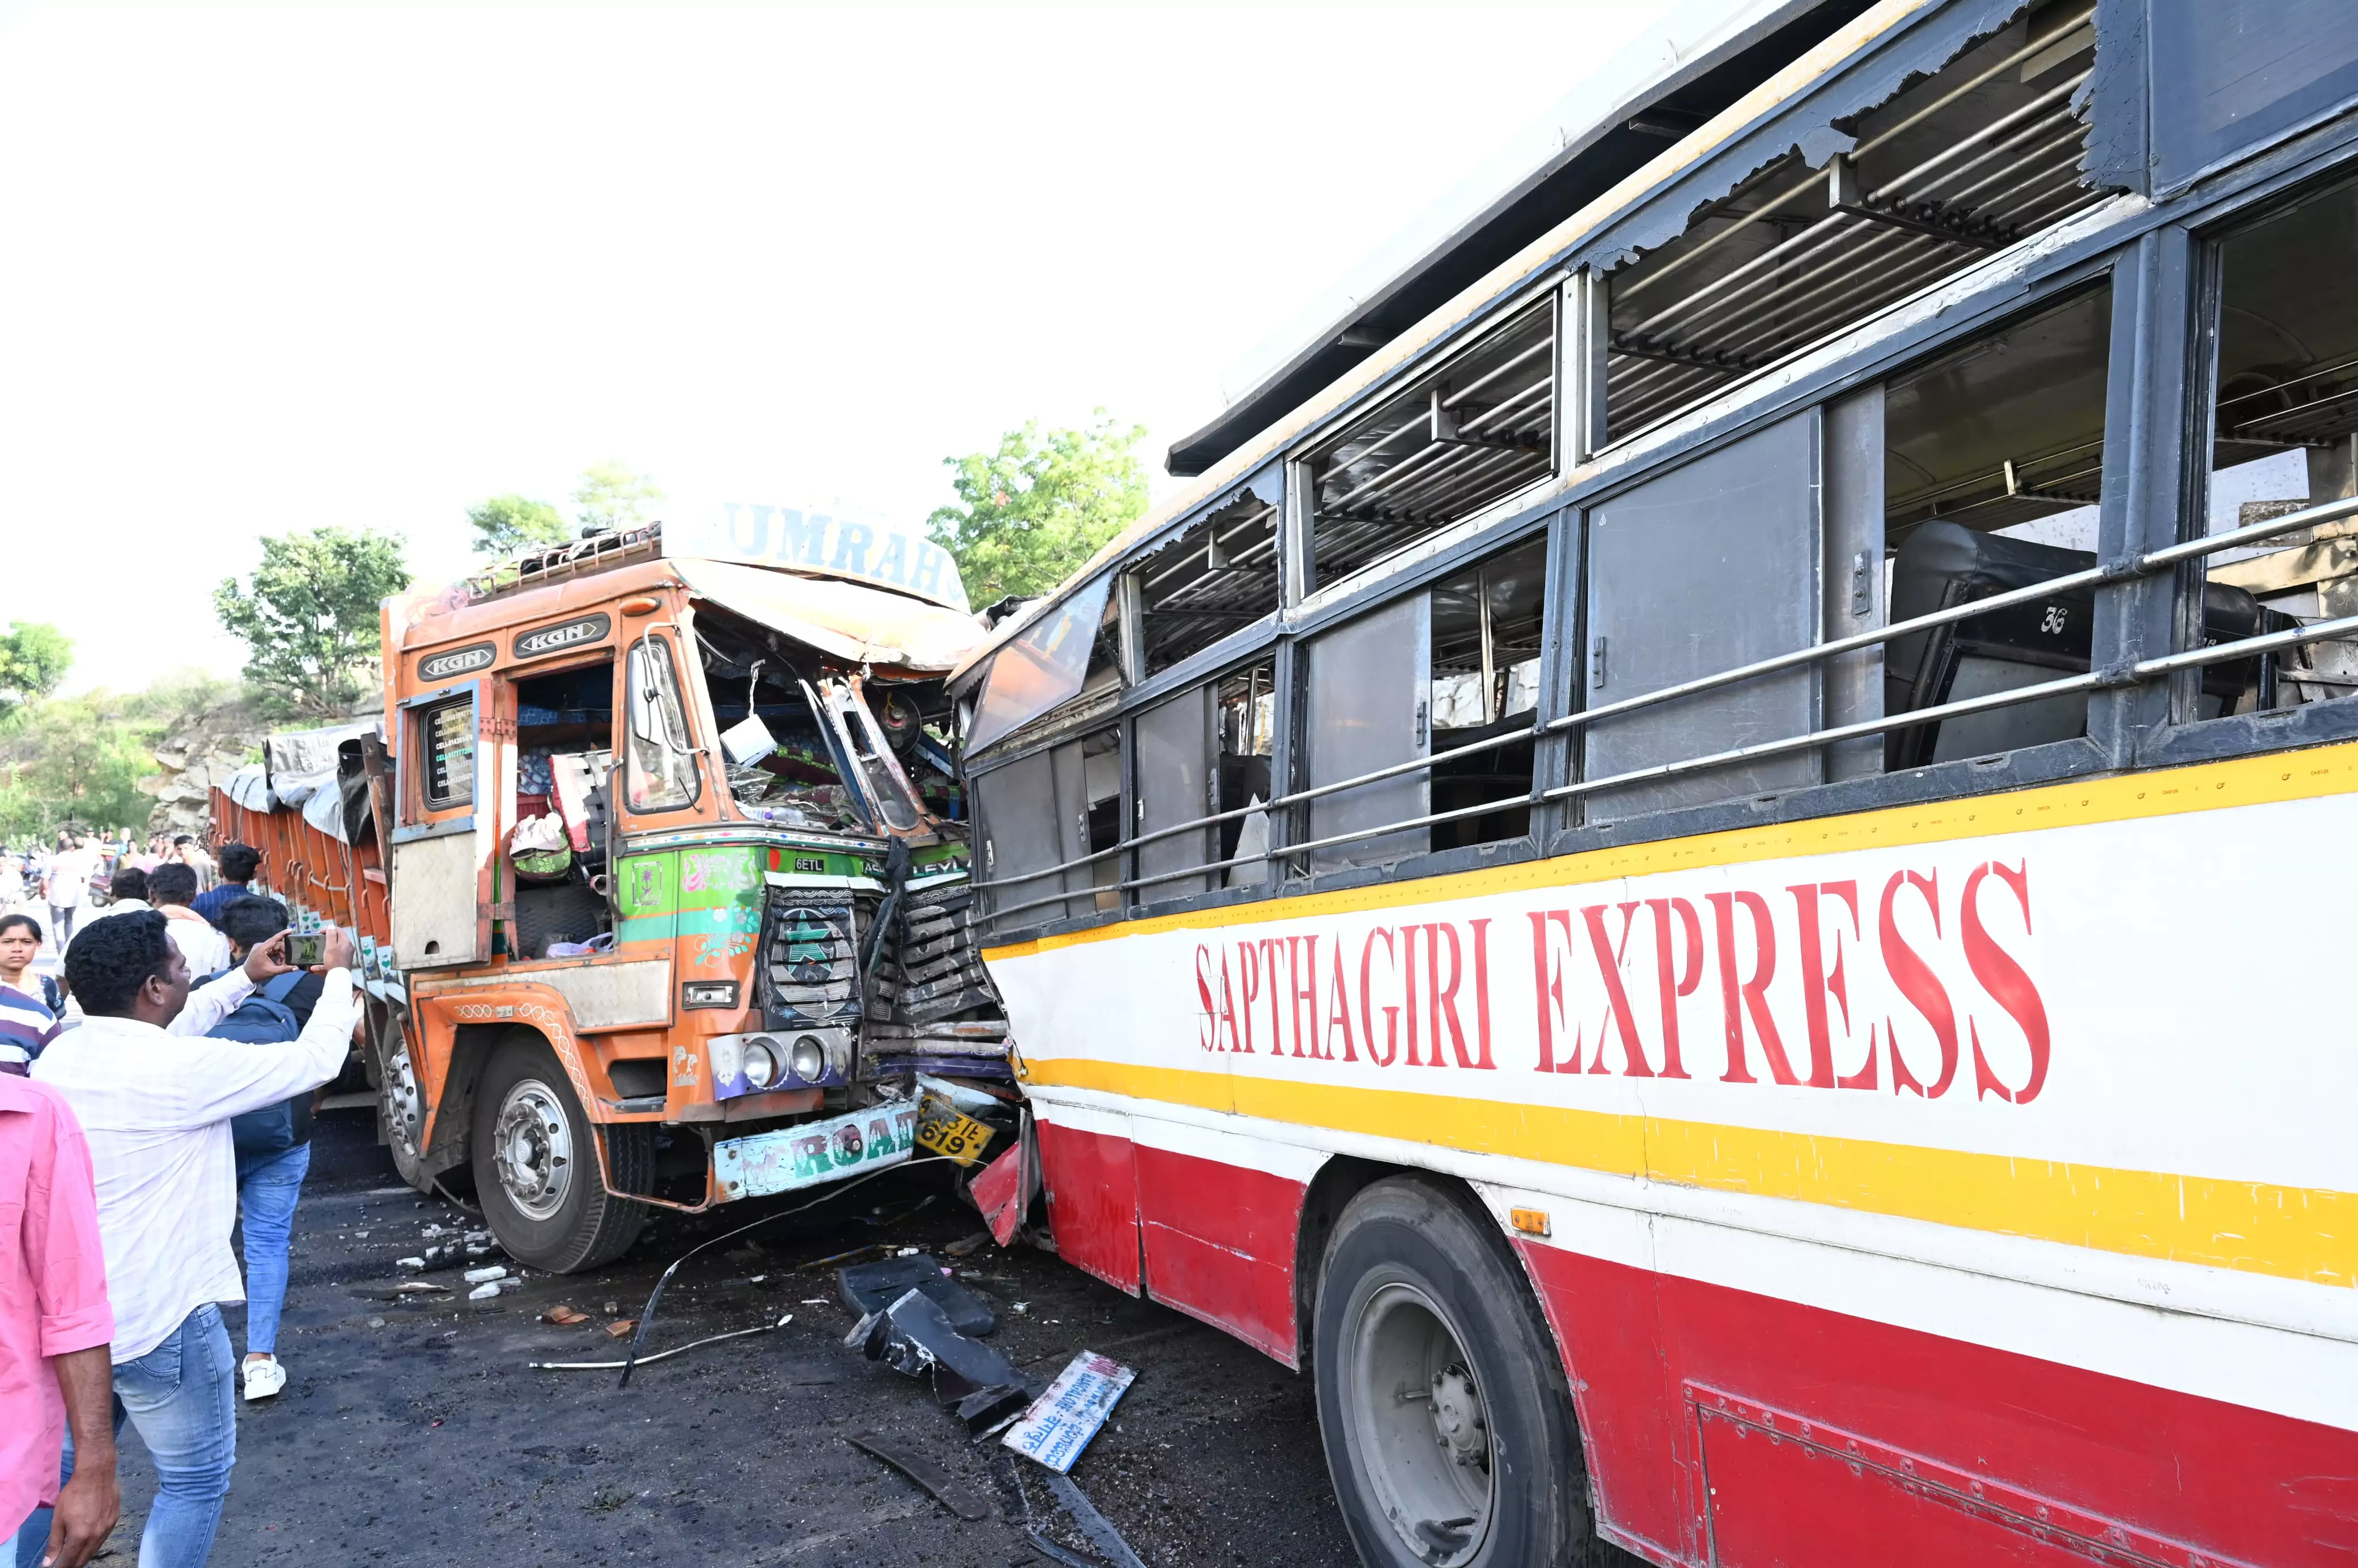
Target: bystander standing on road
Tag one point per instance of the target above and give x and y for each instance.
(273, 1144)
(126, 894)
(156, 1103)
(66, 885)
(171, 889)
(31, 1005)
(11, 881)
(238, 864)
(190, 853)
(54, 1329)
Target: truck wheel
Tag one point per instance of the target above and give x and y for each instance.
(401, 1108)
(1446, 1418)
(537, 1171)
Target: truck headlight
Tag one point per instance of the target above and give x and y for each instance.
(808, 1059)
(761, 1062)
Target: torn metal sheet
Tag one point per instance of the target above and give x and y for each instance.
(999, 1193)
(945, 1487)
(815, 1151)
(1060, 1424)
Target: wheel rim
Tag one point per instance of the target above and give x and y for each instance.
(532, 1148)
(405, 1107)
(1418, 1425)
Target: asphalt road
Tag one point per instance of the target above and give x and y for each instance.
(411, 1431)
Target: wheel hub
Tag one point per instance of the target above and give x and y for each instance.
(405, 1106)
(1419, 1430)
(532, 1150)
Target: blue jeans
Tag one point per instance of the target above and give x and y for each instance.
(267, 1187)
(182, 1396)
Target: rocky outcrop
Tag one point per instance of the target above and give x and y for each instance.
(195, 755)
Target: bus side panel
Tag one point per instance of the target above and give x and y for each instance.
(1220, 1241)
(1789, 1416)
(1092, 1183)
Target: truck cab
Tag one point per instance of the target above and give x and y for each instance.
(678, 871)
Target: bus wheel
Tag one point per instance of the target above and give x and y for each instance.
(401, 1108)
(1447, 1417)
(537, 1170)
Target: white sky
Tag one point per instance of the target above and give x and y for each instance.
(272, 268)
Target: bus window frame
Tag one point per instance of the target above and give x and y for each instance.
(2149, 253)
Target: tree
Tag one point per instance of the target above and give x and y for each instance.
(84, 760)
(611, 496)
(309, 616)
(506, 524)
(1032, 512)
(34, 658)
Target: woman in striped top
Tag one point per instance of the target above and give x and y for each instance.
(30, 1005)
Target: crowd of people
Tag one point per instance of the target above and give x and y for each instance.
(75, 879)
(155, 1099)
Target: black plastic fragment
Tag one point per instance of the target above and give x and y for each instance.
(872, 1287)
(925, 1472)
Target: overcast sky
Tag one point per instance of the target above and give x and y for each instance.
(272, 268)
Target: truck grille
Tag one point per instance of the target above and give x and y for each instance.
(810, 958)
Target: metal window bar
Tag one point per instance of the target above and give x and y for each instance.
(2120, 570)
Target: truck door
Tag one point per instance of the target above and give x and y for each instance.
(442, 846)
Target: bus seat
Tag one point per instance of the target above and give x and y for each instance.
(1941, 564)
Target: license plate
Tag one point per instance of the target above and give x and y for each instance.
(815, 1151)
(947, 1131)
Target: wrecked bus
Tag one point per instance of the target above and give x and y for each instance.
(658, 862)
(1671, 876)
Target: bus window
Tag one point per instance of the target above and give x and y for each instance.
(1450, 668)
(1709, 567)
(663, 776)
(1218, 575)
(1068, 651)
(1464, 435)
(1049, 810)
(1992, 454)
(1486, 684)
(1247, 722)
(1176, 784)
(1964, 161)
(2287, 438)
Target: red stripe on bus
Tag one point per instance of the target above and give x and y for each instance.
(2179, 1475)
(1092, 1186)
(1220, 1245)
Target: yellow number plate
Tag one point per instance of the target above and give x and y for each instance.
(947, 1131)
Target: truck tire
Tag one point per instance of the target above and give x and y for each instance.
(400, 1107)
(537, 1170)
(1443, 1404)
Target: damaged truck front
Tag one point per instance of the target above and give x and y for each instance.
(676, 875)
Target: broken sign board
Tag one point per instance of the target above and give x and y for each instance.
(815, 1151)
(1061, 1422)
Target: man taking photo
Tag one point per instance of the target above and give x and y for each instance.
(155, 1100)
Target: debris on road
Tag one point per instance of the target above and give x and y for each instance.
(485, 1274)
(869, 1287)
(620, 1326)
(485, 1291)
(945, 1487)
(966, 1246)
(1061, 1422)
(1100, 1532)
(564, 1316)
(915, 1337)
(658, 1356)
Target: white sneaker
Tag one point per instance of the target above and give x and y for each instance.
(264, 1380)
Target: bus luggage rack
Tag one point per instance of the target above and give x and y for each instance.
(2123, 674)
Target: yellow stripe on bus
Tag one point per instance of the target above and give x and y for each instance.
(2293, 1233)
(2120, 797)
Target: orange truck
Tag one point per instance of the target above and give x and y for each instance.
(657, 860)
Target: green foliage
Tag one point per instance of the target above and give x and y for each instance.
(611, 496)
(34, 658)
(508, 525)
(75, 760)
(309, 617)
(1032, 512)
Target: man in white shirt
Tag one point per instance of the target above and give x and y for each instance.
(171, 889)
(155, 1101)
(66, 885)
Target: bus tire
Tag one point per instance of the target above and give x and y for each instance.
(1444, 1408)
(537, 1170)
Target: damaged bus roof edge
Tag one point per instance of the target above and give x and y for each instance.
(1510, 278)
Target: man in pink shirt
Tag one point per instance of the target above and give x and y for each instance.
(55, 1326)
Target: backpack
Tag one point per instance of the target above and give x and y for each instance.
(265, 1018)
